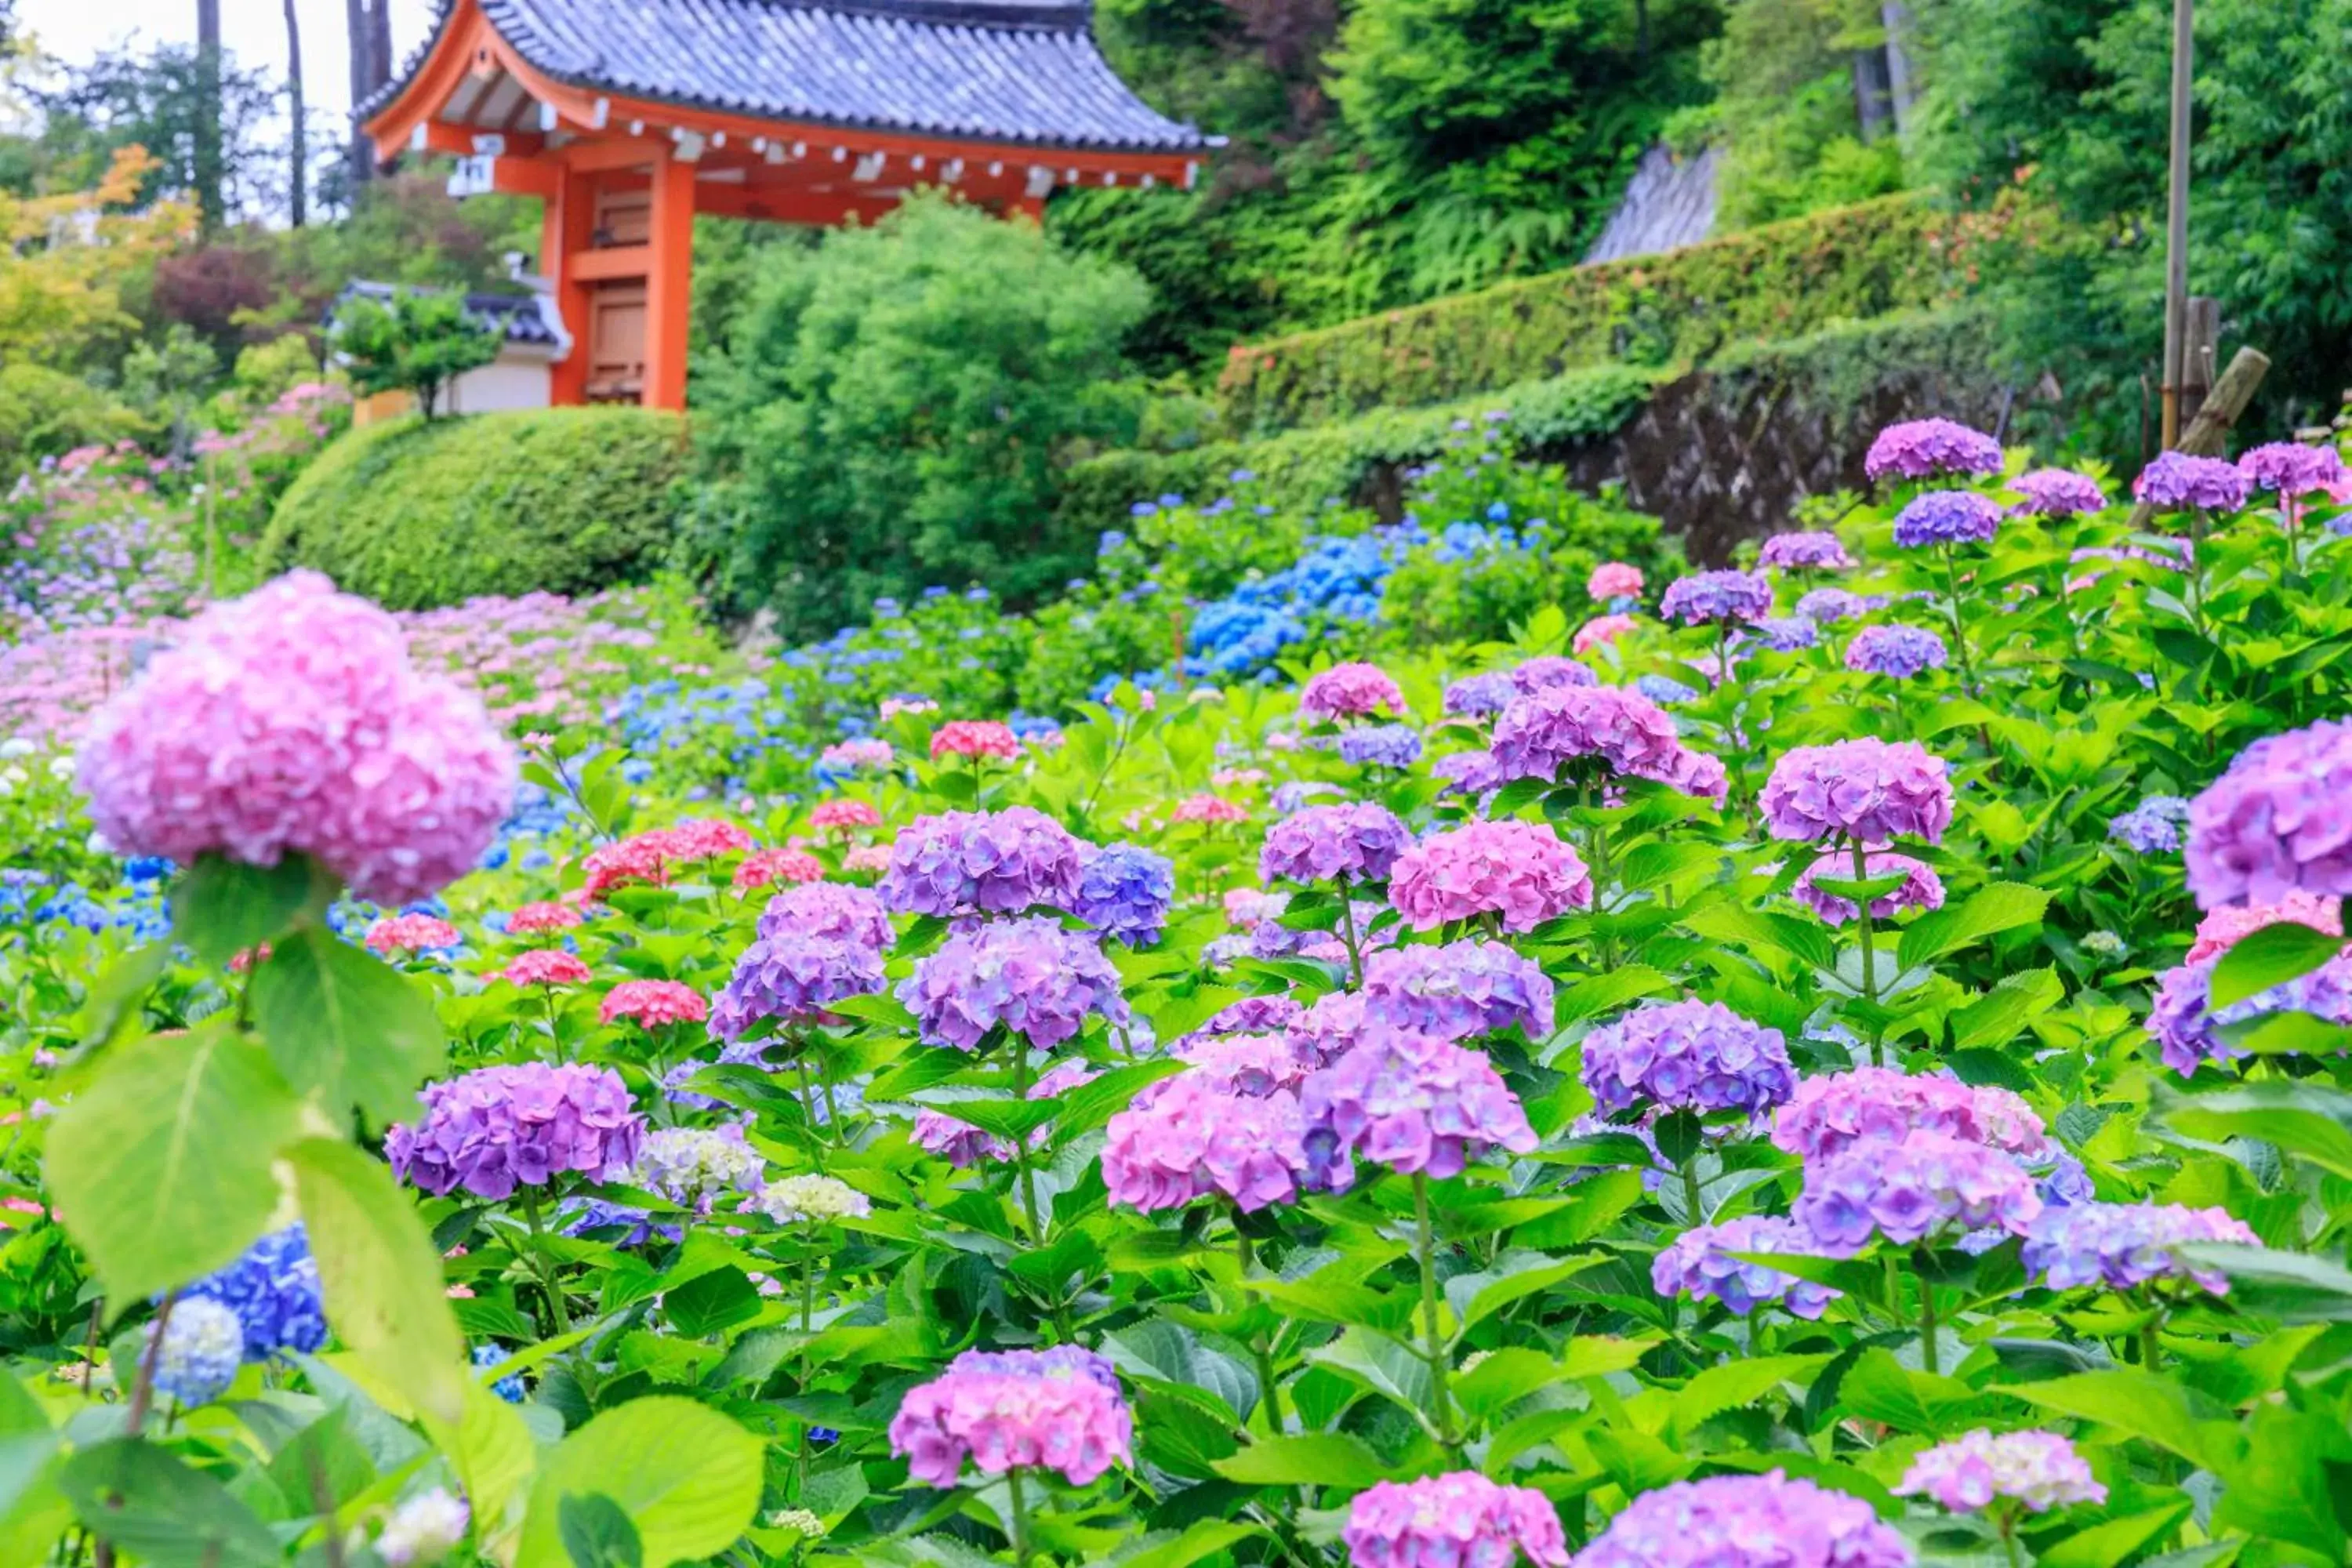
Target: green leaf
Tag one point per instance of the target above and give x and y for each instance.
(1606, 992)
(712, 1303)
(1502, 1380)
(1527, 1281)
(322, 1467)
(2301, 1117)
(1999, 1015)
(1306, 1459)
(1205, 1538)
(1381, 1365)
(493, 1455)
(687, 1477)
(222, 907)
(380, 1274)
(116, 995)
(597, 1532)
(162, 1167)
(1732, 1385)
(2143, 1404)
(1099, 1098)
(2114, 1541)
(346, 1026)
(1880, 1388)
(2268, 1282)
(2002, 906)
(2271, 956)
(162, 1510)
(1737, 925)
(1005, 1119)
(1180, 1015)
(879, 1008)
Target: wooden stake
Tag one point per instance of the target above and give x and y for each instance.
(2176, 227)
(2199, 353)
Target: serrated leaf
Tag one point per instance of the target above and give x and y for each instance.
(222, 907)
(2270, 956)
(1306, 1459)
(161, 1509)
(1096, 1101)
(2142, 1404)
(1733, 1385)
(1987, 912)
(346, 1026)
(687, 1477)
(1999, 1015)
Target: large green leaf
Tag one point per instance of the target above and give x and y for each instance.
(491, 1451)
(381, 1274)
(687, 1477)
(2116, 1540)
(1733, 1385)
(161, 1168)
(1999, 1015)
(345, 1026)
(2271, 956)
(1307, 1459)
(2145, 1406)
(164, 1511)
(2300, 1117)
(220, 908)
(2002, 906)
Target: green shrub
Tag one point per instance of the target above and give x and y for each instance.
(47, 413)
(567, 500)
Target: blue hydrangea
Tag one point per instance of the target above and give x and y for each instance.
(1124, 891)
(274, 1291)
(1788, 633)
(1474, 696)
(1661, 690)
(507, 1388)
(1386, 745)
(2153, 827)
(1947, 516)
(204, 1344)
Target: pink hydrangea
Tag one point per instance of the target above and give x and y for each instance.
(1748, 1521)
(1921, 448)
(1863, 792)
(830, 910)
(291, 722)
(652, 1002)
(974, 739)
(844, 816)
(1190, 1136)
(1921, 888)
(1923, 1185)
(854, 757)
(867, 860)
(1592, 731)
(1245, 907)
(411, 933)
(532, 920)
(707, 838)
(1830, 1114)
(1523, 873)
(1350, 691)
(1600, 631)
(1210, 808)
(1414, 1103)
(1457, 1521)
(644, 858)
(2221, 929)
(1058, 1410)
(546, 966)
(766, 867)
(893, 706)
(1354, 842)
(1614, 580)
(2039, 1469)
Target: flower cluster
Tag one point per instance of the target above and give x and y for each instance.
(1462, 989)
(2180, 481)
(202, 1344)
(538, 919)
(502, 1127)
(2126, 1246)
(1746, 1521)
(1901, 651)
(1124, 891)
(1946, 517)
(2279, 820)
(273, 1288)
(2187, 1026)
(1358, 842)
(1923, 448)
(1349, 692)
(1924, 1184)
(2057, 492)
(2153, 827)
(424, 1528)
(808, 1200)
(1699, 1263)
(829, 910)
(1029, 977)
(793, 977)
(412, 933)
(652, 1004)
(1462, 1520)
(2291, 469)
(1787, 634)
(844, 816)
(1058, 1410)
(1687, 1055)
(2038, 1471)
(767, 867)
(967, 862)
(1200, 1134)
(1921, 888)
(546, 966)
(693, 1164)
(1475, 695)
(1617, 729)
(2223, 928)
(1827, 1116)
(974, 739)
(1395, 746)
(1614, 580)
(1520, 873)
(1817, 551)
(1863, 792)
(1601, 631)
(1705, 596)
(1411, 1102)
(1549, 670)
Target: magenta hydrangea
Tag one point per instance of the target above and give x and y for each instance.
(1748, 1521)
(837, 911)
(2177, 481)
(1457, 1521)
(1250, 1016)
(1029, 977)
(1700, 1264)
(1349, 692)
(793, 977)
(1198, 1134)
(1923, 448)
(1687, 1055)
(1900, 651)
(1520, 873)
(2057, 492)
(2038, 1471)
(1459, 990)
(1831, 1114)
(1924, 1185)
(2278, 821)
(1354, 842)
(1705, 596)
(291, 722)
(2291, 469)
(1946, 517)
(1866, 792)
(1921, 888)
(1816, 549)
(498, 1128)
(1058, 1410)
(1414, 1103)
(981, 862)
(2123, 1246)
(1329, 1029)
(1603, 730)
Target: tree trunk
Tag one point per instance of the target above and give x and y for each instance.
(1641, 29)
(297, 196)
(206, 151)
(1896, 17)
(361, 34)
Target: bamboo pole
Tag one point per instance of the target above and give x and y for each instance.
(2175, 227)
(2207, 433)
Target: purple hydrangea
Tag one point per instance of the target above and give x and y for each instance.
(1357, 842)
(2177, 481)
(2292, 470)
(1251, 1065)
(1474, 696)
(2279, 821)
(1550, 669)
(1687, 1055)
(1704, 597)
(1947, 516)
(1922, 448)
(1613, 729)
(979, 862)
(1382, 745)
(1829, 1115)
(1818, 549)
(1469, 773)
(1329, 1029)
(1457, 1521)
(1828, 607)
(1030, 976)
(1461, 989)
(497, 1127)
(2040, 1470)
(1250, 1016)
(273, 1288)
(1199, 1134)
(1788, 633)
(1865, 792)
(1413, 1102)
(1349, 691)
(1923, 1185)
(1058, 1410)
(1921, 888)
(2188, 1027)
(1746, 1521)
(2153, 827)
(2123, 1246)
(1899, 651)
(2057, 492)
(1699, 1264)
(793, 978)
(1124, 891)
(839, 910)
(1296, 796)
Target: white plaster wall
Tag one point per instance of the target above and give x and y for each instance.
(502, 384)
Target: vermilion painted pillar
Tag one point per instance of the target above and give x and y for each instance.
(669, 282)
(565, 227)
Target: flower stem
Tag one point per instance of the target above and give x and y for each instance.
(1261, 1345)
(1927, 1352)
(1348, 929)
(808, 1111)
(1028, 1182)
(1691, 1198)
(1020, 1520)
(1439, 1361)
(2009, 1540)
(545, 1263)
(1960, 621)
(1869, 951)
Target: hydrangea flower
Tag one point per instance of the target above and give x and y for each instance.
(1614, 580)
(1922, 1185)
(1462, 1519)
(1329, 1029)
(973, 738)
(1349, 692)
(766, 867)
(1946, 517)
(966, 862)
(1124, 891)
(1599, 632)
(2180, 481)
(1474, 696)
(202, 1345)
(705, 838)
(854, 757)
(1521, 873)
(844, 816)
(1549, 670)
(2188, 1027)
(829, 910)
(1357, 842)
(497, 1127)
(691, 1165)
(1411, 1102)
(961, 1144)
(1209, 808)
(1687, 1055)
(1030, 976)
(2222, 929)
(291, 722)
(793, 978)
(412, 933)
(2291, 469)
(1471, 774)
(1858, 792)
(1901, 651)
(273, 1288)
(2279, 820)
(546, 966)
(1828, 607)
(2153, 827)
(1699, 1264)
(1818, 549)
(1250, 1016)
(1787, 634)
(808, 1200)
(1454, 991)
(1383, 745)
(1708, 596)
(1617, 730)
(1921, 888)
(2126, 1245)
(652, 1004)
(537, 918)
(2038, 1471)
(1198, 1134)
(642, 857)
(1746, 1521)
(424, 1528)
(2057, 492)
(1831, 1114)
(1058, 1410)
(509, 1388)
(1923, 448)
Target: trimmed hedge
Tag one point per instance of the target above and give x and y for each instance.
(416, 513)
(1780, 280)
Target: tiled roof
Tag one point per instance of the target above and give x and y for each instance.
(522, 318)
(1021, 74)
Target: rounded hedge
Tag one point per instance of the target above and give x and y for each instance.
(418, 513)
